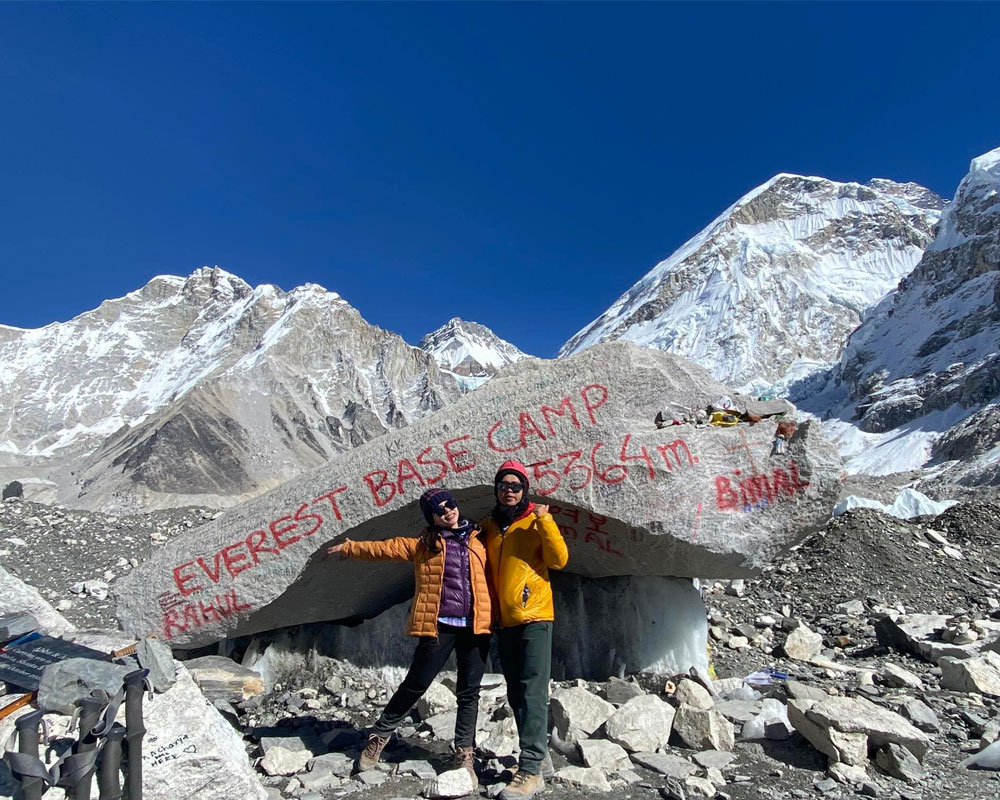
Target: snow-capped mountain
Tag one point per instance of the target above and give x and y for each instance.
(206, 390)
(923, 371)
(773, 287)
(470, 351)
(202, 390)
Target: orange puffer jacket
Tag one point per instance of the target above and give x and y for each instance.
(428, 570)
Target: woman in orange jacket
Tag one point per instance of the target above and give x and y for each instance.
(452, 611)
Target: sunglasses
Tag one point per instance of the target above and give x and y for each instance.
(506, 486)
(445, 507)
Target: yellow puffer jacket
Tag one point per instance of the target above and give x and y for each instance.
(519, 561)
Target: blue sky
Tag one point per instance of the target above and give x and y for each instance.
(520, 165)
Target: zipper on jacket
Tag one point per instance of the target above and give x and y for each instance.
(503, 538)
(467, 575)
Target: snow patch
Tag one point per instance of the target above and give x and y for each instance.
(899, 450)
(908, 503)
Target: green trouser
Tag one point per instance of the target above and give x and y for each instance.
(526, 660)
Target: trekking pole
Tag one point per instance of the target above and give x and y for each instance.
(90, 714)
(108, 773)
(135, 687)
(27, 743)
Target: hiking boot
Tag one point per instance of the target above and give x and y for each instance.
(465, 758)
(523, 786)
(372, 753)
(548, 768)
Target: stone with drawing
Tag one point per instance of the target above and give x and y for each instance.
(631, 500)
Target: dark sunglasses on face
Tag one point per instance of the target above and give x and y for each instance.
(505, 486)
(445, 507)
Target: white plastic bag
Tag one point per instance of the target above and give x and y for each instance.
(772, 712)
(745, 692)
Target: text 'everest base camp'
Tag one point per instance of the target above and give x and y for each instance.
(653, 507)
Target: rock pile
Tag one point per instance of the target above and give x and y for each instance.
(843, 683)
(837, 731)
(60, 550)
(866, 571)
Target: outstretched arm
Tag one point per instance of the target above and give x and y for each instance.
(400, 548)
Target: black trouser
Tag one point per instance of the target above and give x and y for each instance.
(429, 658)
(526, 659)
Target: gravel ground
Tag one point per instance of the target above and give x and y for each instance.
(54, 548)
(886, 563)
(870, 556)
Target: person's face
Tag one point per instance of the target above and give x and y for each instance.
(447, 517)
(509, 490)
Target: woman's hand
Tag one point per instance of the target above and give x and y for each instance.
(337, 549)
(541, 511)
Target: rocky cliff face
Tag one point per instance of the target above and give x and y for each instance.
(204, 390)
(933, 346)
(934, 342)
(774, 286)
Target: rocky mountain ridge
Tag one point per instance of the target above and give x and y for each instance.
(206, 390)
(772, 288)
(203, 389)
(918, 382)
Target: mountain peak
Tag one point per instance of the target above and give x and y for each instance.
(913, 193)
(469, 350)
(203, 389)
(930, 349)
(217, 283)
(986, 162)
(778, 280)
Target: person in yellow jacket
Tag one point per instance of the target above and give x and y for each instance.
(452, 611)
(523, 543)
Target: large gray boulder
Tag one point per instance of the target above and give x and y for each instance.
(643, 724)
(65, 684)
(845, 728)
(704, 728)
(17, 596)
(575, 710)
(221, 678)
(920, 634)
(191, 751)
(980, 675)
(632, 500)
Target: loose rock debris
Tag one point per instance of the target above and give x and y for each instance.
(896, 724)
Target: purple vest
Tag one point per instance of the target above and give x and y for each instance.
(456, 587)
